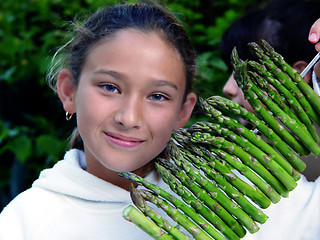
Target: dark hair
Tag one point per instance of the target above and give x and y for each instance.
(285, 24)
(145, 17)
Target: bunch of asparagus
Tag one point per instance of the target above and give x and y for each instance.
(221, 173)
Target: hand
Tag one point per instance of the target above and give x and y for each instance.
(314, 36)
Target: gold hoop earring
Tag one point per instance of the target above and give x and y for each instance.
(68, 116)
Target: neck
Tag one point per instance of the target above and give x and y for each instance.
(110, 176)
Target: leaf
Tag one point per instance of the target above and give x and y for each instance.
(49, 145)
(20, 146)
(6, 76)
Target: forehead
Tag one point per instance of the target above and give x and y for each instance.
(131, 51)
(126, 40)
(122, 36)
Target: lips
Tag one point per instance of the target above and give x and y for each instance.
(123, 141)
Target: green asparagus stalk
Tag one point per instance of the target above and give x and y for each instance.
(252, 91)
(272, 93)
(176, 215)
(246, 159)
(155, 216)
(291, 99)
(234, 126)
(284, 79)
(246, 171)
(274, 69)
(264, 114)
(206, 184)
(215, 213)
(131, 214)
(238, 128)
(295, 163)
(305, 88)
(301, 118)
(175, 201)
(266, 160)
(271, 121)
(261, 111)
(219, 172)
(212, 197)
(250, 175)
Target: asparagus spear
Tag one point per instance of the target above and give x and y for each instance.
(206, 184)
(291, 99)
(215, 213)
(301, 118)
(266, 160)
(285, 80)
(305, 88)
(131, 214)
(253, 90)
(235, 126)
(175, 201)
(212, 197)
(207, 162)
(250, 175)
(264, 114)
(246, 159)
(176, 215)
(265, 86)
(156, 217)
(296, 164)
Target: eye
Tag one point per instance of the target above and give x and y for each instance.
(110, 88)
(158, 97)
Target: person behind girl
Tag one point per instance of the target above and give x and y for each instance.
(313, 37)
(285, 24)
(127, 77)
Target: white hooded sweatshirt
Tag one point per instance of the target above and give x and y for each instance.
(296, 217)
(67, 202)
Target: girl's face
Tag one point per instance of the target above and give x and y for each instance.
(128, 101)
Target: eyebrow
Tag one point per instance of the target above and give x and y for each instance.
(107, 72)
(161, 83)
(158, 83)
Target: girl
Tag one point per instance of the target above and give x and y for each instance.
(127, 78)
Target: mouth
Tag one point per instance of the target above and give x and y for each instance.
(123, 141)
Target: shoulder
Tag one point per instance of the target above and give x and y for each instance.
(24, 213)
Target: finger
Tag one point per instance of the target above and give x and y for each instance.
(314, 33)
(317, 46)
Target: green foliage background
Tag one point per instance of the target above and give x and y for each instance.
(33, 131)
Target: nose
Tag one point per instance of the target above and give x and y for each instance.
(129, 113)
(231, 88)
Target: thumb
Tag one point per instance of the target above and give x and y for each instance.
(314, 34)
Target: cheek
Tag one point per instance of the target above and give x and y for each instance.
(89, 111)
(163, 123)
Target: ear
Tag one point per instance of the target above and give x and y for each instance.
(66, 90)
(300, 66)
(186, 110)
